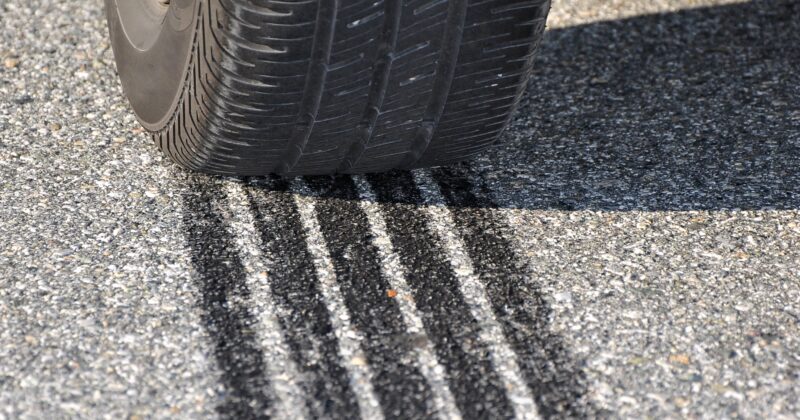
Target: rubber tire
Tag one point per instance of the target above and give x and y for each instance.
(312, 87)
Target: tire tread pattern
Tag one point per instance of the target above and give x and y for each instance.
(350, 86)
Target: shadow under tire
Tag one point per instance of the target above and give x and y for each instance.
(248, 87)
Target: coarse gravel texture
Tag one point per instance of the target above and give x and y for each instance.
(97, 306)
(638, 234)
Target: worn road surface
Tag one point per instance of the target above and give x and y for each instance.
(632, 249)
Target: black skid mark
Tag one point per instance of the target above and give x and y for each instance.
(555, 379)
(452, 329)
(221, 279)
(301, 308)
(400, 387)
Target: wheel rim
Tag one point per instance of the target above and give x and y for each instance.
(152, 41)
(142, 20)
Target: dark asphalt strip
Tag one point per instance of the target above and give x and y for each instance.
(401, 388)
(302, 312)
(451, 327)
(554, 377)
(220, 278)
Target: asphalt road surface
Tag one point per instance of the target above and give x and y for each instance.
(631, 250)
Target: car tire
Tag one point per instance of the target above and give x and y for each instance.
(309, 87)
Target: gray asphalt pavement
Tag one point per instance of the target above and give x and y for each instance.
(632, 250)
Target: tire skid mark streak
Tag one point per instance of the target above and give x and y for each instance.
(300, 308)
(476, 295)
(550, 371)
(389, 347)
(220, 277)
(315, 83)
(290, 399)
(450, 325)
(442, 399)
(350, 340)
